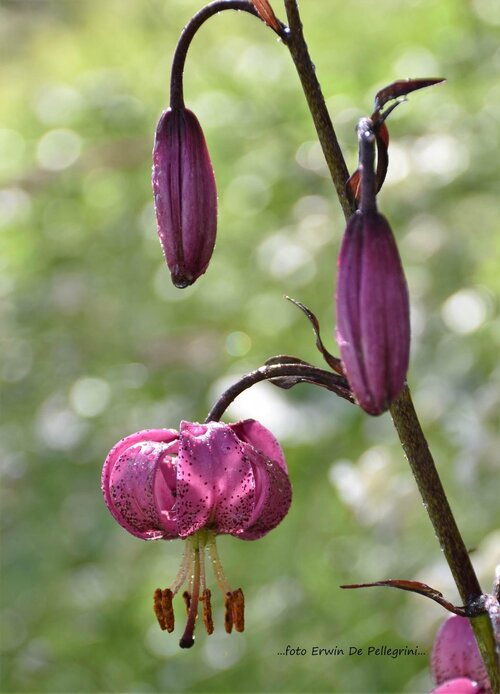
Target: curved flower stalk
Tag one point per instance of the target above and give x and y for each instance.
(457, 665)
(373, 315)
(185, 195)
(194, 484)
(184, 185)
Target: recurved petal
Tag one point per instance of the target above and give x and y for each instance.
(455, 654)
(215, 484)
(259, 437)
(128, 482)
(273, 495)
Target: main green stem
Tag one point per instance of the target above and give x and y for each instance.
(402, 411)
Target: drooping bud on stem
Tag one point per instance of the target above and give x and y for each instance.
(185, 195)
(373, 327)
(183, 179)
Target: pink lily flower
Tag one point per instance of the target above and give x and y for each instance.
(203, 481)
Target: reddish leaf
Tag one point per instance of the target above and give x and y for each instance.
(402, 88)
(265, 12)
(332, 361)
(414, 587)
(382, 133)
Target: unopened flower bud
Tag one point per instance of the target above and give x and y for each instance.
(373, 315)
(185, 195)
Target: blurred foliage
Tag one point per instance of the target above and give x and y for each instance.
(96, 343)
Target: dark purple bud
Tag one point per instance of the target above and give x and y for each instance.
(373, 314)
(373, 326)
(185, 195)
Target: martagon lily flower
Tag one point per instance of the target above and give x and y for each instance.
(194, 484)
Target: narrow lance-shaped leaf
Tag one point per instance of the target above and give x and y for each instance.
(266, 13)
(402, 88)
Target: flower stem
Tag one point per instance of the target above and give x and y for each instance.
(316, 102)
(436, 504)
(403, 413)
(366, 140)
(301, 373)
(188, 33)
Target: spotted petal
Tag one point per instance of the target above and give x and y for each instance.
(133, 490)
(253, 432)
(273, 495)
(215, 485)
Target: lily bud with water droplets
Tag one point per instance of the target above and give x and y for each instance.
(185, 195)
(373, 326)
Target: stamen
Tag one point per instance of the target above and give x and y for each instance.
(207, 612)
(184, 568)
(168, 610)
(157, 606)
(228, 612)
(162, 605)
(187, 639)
(238, 610)
(202, 544)
(186, 596)
(221, 579)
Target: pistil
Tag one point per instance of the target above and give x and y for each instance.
(187, 639)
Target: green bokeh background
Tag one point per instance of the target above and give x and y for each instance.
(97, 344)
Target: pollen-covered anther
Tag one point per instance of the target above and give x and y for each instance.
(186, 596)
(238, 609)
(158, 608)
(168, 610)
(162, 605)
(207, 611)
(228, 612)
